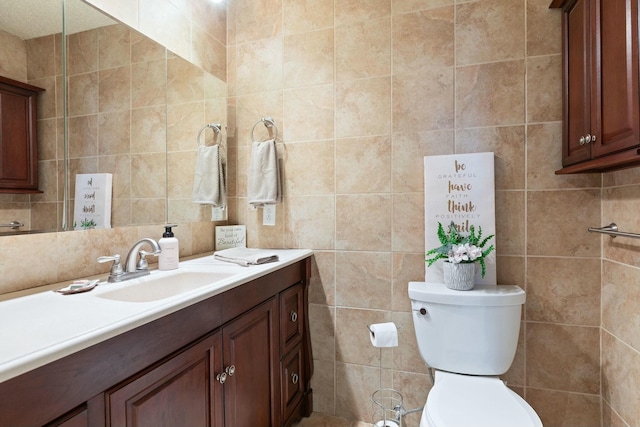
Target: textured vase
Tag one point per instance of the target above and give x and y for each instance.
(459, 276)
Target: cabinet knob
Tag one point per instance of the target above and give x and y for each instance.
(230, 370)
(583, 140)
(587, 139)
(593, 138)
(295, 378)
(221, 378)
(294, 316)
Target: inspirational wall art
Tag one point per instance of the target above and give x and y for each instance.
(460, 188)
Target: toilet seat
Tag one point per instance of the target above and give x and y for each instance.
(458, 400)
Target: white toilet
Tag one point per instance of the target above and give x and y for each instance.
(470, 337)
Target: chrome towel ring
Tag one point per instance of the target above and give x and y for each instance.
(268, 123)
(217, 129)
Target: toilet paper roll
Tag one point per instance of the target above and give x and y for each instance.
(383, 334)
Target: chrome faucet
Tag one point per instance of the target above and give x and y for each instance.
(136, 263)
(132, 264)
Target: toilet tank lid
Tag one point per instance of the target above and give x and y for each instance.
(480, 295)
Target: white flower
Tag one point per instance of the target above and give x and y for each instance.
(474, 252)
(464, 253)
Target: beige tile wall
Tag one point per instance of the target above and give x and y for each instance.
(13, 52)
(620, 339)
(361, 91)
(195, 30)
(113, 92)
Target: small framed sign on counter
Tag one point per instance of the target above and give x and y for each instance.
(231, 236)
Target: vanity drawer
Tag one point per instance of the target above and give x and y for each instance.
(291, 317)
(292, 381)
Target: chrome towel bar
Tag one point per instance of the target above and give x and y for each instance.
(612, 230)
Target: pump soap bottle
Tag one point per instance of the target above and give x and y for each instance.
(168, 258)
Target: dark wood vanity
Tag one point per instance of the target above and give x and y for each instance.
(241, 358)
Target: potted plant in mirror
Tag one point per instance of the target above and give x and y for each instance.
(461, 254)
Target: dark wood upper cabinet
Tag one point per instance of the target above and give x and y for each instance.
(601, 102)
(18, 137)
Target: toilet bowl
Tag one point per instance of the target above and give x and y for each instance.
(458, 400)
(470, 338)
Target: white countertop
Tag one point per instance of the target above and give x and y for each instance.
(43, 327)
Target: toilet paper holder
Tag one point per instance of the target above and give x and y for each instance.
(370, 330)
(383, 334)
(387, 403)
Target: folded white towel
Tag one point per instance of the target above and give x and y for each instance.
(246, 256)
(209, 186)
(263, 181)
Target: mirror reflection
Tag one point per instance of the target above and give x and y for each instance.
(133, 111)
(27, 29)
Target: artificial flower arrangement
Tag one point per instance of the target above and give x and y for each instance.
(457, 248)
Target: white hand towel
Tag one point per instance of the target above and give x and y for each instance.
(209, 186)
(263, 181)
(246, 256)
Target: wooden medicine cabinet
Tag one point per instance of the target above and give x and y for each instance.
(601, 102)
(18, 137)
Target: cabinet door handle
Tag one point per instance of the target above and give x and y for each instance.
(583, 140)
(221, 378)
(593, 138)
(295, 378)
(294, 316)
(587, 139)
(230, 370)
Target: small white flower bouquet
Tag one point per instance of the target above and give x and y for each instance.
(457, 248)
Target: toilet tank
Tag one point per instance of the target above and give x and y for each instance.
(469, 332)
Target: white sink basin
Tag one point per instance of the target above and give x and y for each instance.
(153, 288)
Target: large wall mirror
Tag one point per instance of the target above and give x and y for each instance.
(130, 107)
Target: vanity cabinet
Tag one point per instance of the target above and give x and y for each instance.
(178, 392)
(220, 362)
(18, 137)
(251, 359)
(601, 102)
(233, 366)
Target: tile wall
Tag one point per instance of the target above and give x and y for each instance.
(361, 91)
(620, 336)
(195, 30)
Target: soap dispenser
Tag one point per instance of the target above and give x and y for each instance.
(168, 258)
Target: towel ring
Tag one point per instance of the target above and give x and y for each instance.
(268, 123)
(217, 129)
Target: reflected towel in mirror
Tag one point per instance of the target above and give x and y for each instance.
(209, 186)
